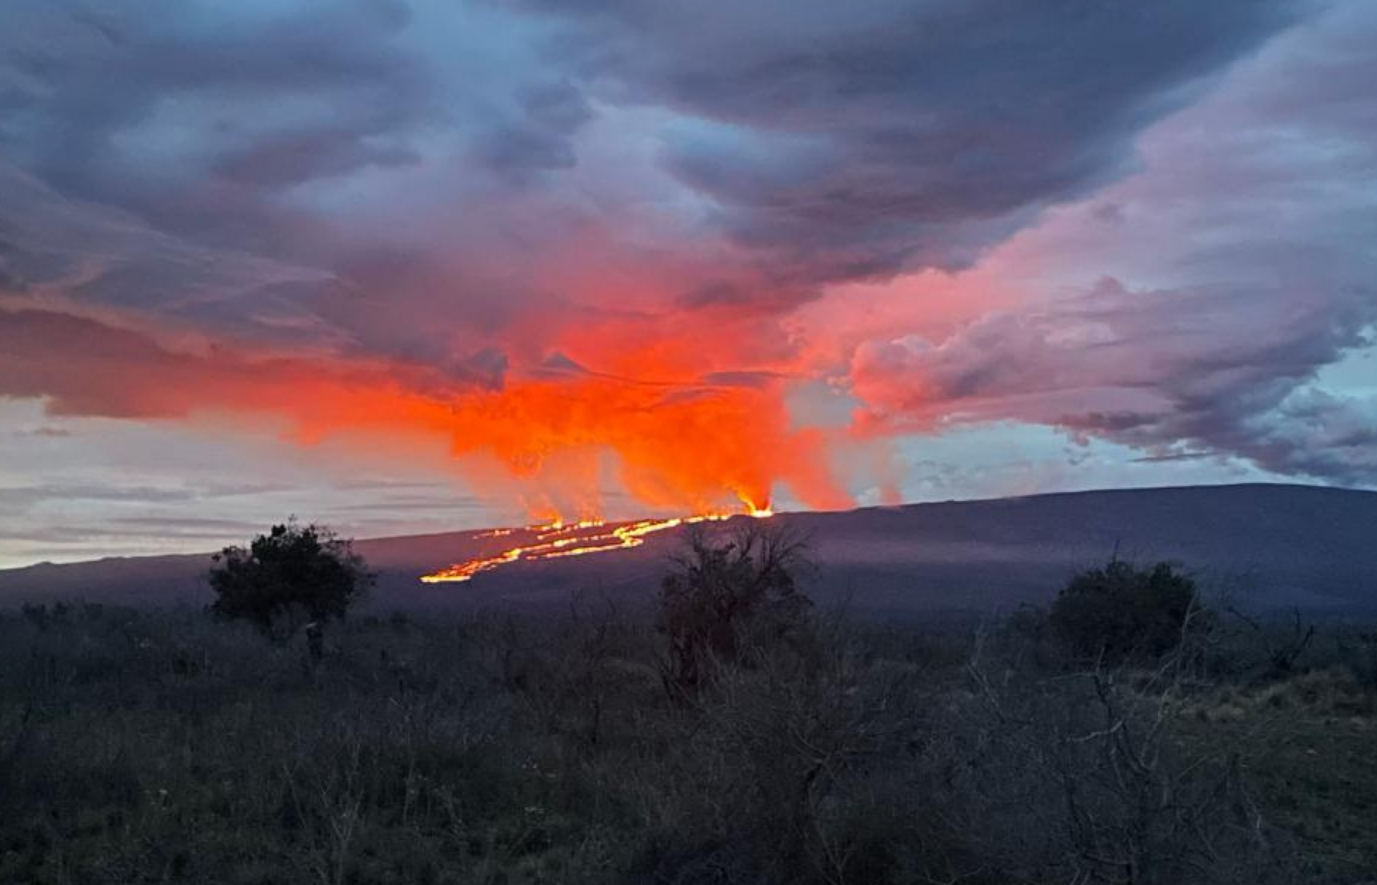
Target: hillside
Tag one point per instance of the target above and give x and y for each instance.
(1269, 545)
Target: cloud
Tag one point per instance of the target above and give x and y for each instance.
(25, 496)
(83, 367)
(547, 232)
(841, 143)
(1149, 369)
(700, 452)
(91, 93)
(538, 137)
(806, 144)
(1223, 346)
(46, 432)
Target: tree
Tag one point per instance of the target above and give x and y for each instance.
(291, 576)
(716, 589)
(1123, 613)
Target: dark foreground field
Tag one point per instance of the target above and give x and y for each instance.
(166, 747)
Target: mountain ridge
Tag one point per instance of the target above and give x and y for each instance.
(1275, 545)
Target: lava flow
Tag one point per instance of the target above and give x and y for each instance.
(558, 540)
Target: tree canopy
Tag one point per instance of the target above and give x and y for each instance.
(287, 577)
(1123, 612)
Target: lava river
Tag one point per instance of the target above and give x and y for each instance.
(575, 539)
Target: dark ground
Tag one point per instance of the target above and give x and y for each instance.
(161, 746)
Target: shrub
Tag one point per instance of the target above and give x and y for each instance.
(718, 589)
(1088, 777)
(1124, 613)
(287, 577)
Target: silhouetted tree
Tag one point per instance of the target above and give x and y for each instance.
(719, 587)
(1122, 612)
(291, 576)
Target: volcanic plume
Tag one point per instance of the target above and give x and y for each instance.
(691, 450)
(684, 446)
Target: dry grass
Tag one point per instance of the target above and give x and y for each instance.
(162, 747)
(1311, 746)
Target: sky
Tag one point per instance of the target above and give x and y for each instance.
(440, 264)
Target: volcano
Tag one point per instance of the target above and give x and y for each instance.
(1271, 546)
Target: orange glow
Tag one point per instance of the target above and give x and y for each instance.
(560, 541)
(686, 447)
(693, 422)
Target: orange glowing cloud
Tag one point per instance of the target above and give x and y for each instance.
(694, 448)
(674, 441)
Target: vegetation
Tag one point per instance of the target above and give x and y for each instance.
(291, 576)
(141, 746)
(722, 595)
(1122, 613)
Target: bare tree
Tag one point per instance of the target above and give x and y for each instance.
(720, 586)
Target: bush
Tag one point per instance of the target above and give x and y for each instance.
(287, 577)
(717, 590)
(1123, 613)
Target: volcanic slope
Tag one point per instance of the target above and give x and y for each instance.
(1269, 545)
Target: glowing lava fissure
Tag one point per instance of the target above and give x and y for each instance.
(556, 540)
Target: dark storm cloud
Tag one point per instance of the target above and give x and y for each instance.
(847, 141)
(304, 156)
(832, 142)
(54, 246)
(538, 135)
(1255, 208)
(80, 78)
(152, 154)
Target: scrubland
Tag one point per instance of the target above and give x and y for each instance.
(164, 746)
